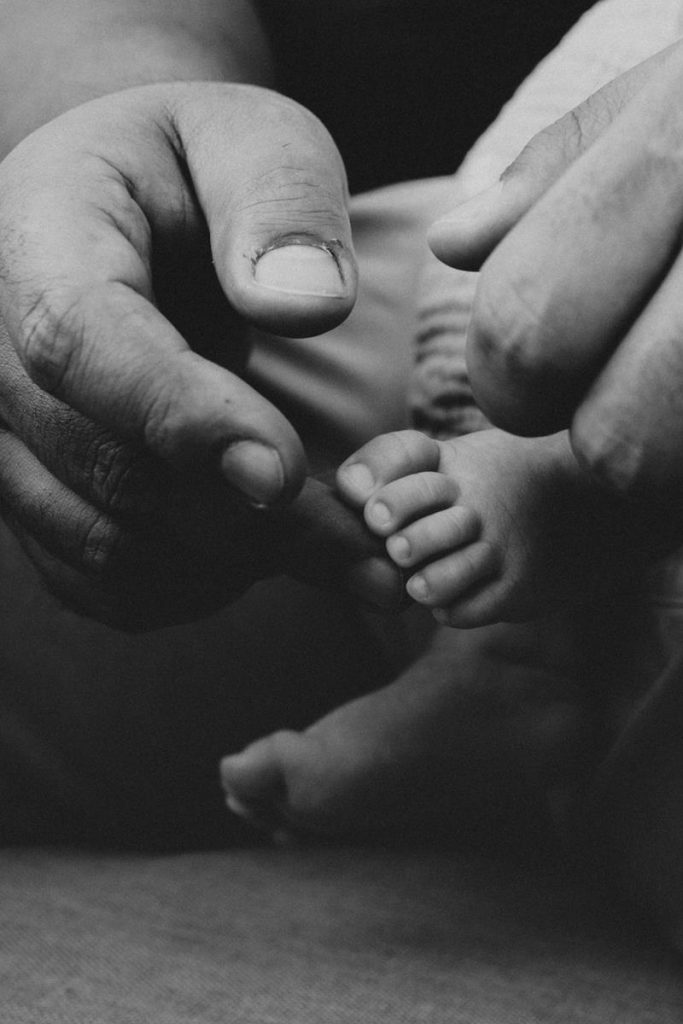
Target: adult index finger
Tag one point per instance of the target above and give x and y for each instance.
(468, 234)
(563, 287)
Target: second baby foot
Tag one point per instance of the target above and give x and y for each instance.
(473, 739)
(487, 527)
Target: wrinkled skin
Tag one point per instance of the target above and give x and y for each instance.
(131, 231)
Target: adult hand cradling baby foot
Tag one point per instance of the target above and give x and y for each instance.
(140, 234)
(574, 241)
(578, 313)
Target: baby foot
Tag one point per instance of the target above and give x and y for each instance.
(489, 526)
(471, 739)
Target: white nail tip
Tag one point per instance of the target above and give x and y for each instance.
(300, 270)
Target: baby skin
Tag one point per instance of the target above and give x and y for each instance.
(490, 528)
(487, 527)
(483, 736)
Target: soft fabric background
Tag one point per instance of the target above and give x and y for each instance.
(346, 936)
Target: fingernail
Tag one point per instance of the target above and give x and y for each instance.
(359, 478)
(300, 270)
(255, 470)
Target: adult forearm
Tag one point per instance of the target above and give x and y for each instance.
(56, 55)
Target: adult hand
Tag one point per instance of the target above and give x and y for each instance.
(138, 234)
(579, 317)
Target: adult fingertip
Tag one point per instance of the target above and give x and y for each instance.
(464, 237)
(255, 470)
(258, 472)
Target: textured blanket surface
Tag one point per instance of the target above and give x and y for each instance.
(296, 936)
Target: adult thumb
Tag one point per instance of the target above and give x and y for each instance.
(467, 235)
(273, 190)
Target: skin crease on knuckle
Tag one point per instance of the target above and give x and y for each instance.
(292, 155)
(72, 531)
(120, 476)
(101, 546)
(112, 474)
(50, 334)
(282, 194)
(556, 146)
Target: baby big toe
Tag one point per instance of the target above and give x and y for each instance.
(385, 458)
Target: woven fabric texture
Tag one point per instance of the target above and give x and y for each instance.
(297, 936)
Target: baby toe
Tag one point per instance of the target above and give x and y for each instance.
(445, 580)
(433, 535)
(402, 501)
(383, 459)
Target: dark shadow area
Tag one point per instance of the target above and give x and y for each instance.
(406, 87)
